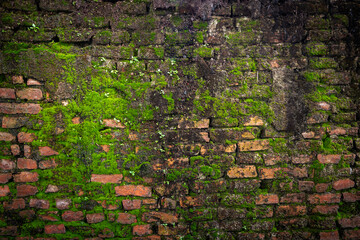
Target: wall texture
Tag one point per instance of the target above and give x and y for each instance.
(170, 119)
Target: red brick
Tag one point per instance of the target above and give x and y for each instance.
(267, 199)
(324, 198)
(242, 172)
(133, 190)
(291, 210)
(17, 79)
(63, 204)
(47, 151)
(308, 135)
(48, 218)
(6, 164)
(343, 184)
(152, 237)
(16, 108)
(26, 190)
(70, 216)
(353, 222)
(352, 234)
(5, 177)
(271, 173)
(30, 94)
(337, 131)
(159, 216)
(39, 203)
(351, 197)
(306, 185)
(142, 230)
(189, 201)
(7, 137)
(113, 178)
(9, 231)
(325, 209)
(15, 204)
(302, 159)
(55, 229)
(322, 187)
(177, 162)
(24, 137)
(14, 122)
(95, 217)
(26, 177)
(15, 149)
(7, 93)
(299, 172)
(254, 121)
(293, 198)
(33, 82)
(323, 106)
(27, 151)
(126, 218)
(46, 164)
(171, 203)
(4, 190)
(131, 204)
(28, 214)
(332, 158)
(329, 235)
(256, 145)
(24, 163)
(113, 123)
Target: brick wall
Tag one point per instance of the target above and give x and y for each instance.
(170, 119)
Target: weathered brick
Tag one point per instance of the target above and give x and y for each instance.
(101, 178)
(7, 93)
(9, 231)
(39, 203)
(14, 122)
(5, 177)
(351, 197)
(267, 199)
(112, 123)
(55, 229)
(301, 159)
(329, 235)
(187, 124)
(14, 204)
(159, 216)
(291, 210)
(133, 190)
(189, 201)
(26, 190)
(29, 94)
(343, 184)
(25, 137)
(271, 173)
(33, 82)
(15, 149)
(6, 164)
(352, 234)
(322, 187)
(142, 230)
(131, 204)
(63, 204)
(177, 162)
(293, 198)
(168, 203)
(151, 237)
(256, 145)
(353, 222)
(27, 214)
(4, 190)
(51, 189)
(7, 137)
(46, 164)
(47, 151)
(16, 108)
(26, 177)
(95, 217)
(332, 158)
(71, 216)
(306, 186)
(126, 218)
(242, 172)
(253, 121)
(27, 151)
(324, 198)
(24, 163)
(17, 79)
(326, 209)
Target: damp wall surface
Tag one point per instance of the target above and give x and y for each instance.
(171, 119)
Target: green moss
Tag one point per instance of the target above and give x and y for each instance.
(204, 52)
(176, 20)
(201, 25)
(199, 37)
(159, 51)
(312, 76)
(323, 63)
(317, 49)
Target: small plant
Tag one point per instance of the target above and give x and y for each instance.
(34, 28)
